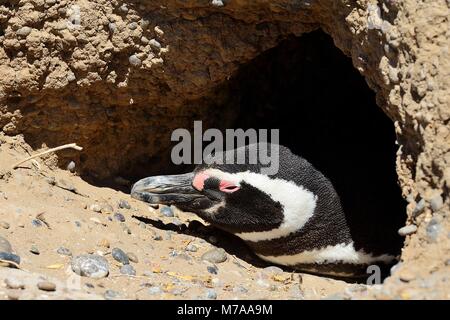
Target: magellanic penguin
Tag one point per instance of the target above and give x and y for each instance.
(292, 218)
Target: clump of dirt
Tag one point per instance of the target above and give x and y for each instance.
(117, 76)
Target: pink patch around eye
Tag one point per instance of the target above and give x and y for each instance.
(199, 181)
(228, 187)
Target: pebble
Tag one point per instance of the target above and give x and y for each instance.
(272, 270)
(64, 251)
(24, 31)
(10, 257)
(128, 269)
(154, 290)
(90, 265)
(240, 289)
(215, 256)
(167, 212)
(110, 294)
(406, 230)
(120, 256)
(35, 250)
(4, 224)
(36, 223)
(71, 166)
(119, 217)
(211, 294)
(124, 8)
(217, 3)
(191, 248)
(46, 286)
(132, 26)
(135, 61)
(433, 229)
(95, 207)
(155, 44)
(436, 203)
(418, 209)
(125, 228)
(132, 257)
(106, 209)
(112, 27)
(78, 224)
(104, 243)
(5, 246)
(123, 204)
(406, 275)
(212, 269)
(142, 225)
(14, 283)
(157, 237)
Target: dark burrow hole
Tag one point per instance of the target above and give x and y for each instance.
(326, 113)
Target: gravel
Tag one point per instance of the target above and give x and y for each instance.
(154, 290)
(46, 286)
(167, 212)
(436, 203)
(215, 256)
(71, 165)
(128, 269)
(191, 248)
(4, 224)
(90, 265)
(135, 61)
(35, 250)
(120, 256)
(36, 223)
(119, 217)
(132, 257)
(123, 204)
(14, 283)
(406, 230)
(111, 294)
(212, 269)
(433, 229)
(64, 251)
(24, 31)
(211, 294)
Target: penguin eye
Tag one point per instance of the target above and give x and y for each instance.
(228, 187)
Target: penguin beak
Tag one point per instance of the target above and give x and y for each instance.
(168, 190)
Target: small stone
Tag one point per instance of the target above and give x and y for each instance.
(78, 224)
(154, 290)
(4, 224)
(24, 31)
(71, 77)
(6, 256)
(191, 248)
(95, 207)
(120, 256)
(119, 217)
(125, 228)
(5, 246)
(211, 294)
(132, 257)
(157, 237)
(436, 203)
(46, 286)
(144, 40)
(406, 275)
(135, 61)
(128, 269)
(154, 44)
(104, 243)
(132, 26)
(215, 256)
(71, 166)
(240, 289)
(142, 225)
(406, 230)
(217, 3)
(90, 265)
(35, 250)
(418, 209)
(433, 229)
(272, 270)
(36, 223)
(159, 31)
(112, 27)
(106, 209)
(167, 212)
(123, 8)
(212, 269)
(110, 294)
(64, 251)
(14, 283)
(123, 204)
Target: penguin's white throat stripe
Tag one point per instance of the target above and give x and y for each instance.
(298, 203)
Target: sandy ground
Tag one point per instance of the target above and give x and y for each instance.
(43, 208)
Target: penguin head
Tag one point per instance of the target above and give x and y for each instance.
(237, 198)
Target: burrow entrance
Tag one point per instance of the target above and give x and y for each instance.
(326, 113)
